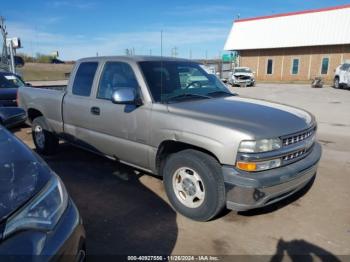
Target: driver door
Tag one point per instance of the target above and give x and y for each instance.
(119, 131)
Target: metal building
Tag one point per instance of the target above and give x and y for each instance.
(294, 46)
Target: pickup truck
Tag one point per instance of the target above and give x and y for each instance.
(213, 149)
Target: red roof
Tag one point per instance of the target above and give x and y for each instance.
(294, 13)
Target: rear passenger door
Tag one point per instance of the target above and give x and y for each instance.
(347, 78)
(77, 112)
(343, 74)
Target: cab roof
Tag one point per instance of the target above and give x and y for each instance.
(134, 59)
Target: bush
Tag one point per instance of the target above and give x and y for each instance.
(40, 58)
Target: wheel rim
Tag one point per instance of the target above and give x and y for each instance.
(188, 187)
(39, 136)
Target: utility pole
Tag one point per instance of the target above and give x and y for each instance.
(150, 52)
(190, 53)
(4, 63)
(174, 52)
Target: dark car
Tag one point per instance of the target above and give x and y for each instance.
(9, 84)
(37, 216)
(12, 116)
(56, 61)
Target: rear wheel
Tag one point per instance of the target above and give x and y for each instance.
(194, 184)
(45, 142)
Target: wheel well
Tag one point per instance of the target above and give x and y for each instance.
(169, 147)
(33, 113)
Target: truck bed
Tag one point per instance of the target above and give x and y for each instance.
(47, 100)
(53, 87)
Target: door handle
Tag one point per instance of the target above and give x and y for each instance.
(95, 110)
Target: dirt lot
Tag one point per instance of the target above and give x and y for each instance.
(126, 212)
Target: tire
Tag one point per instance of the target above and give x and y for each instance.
(46, 143)
(336, 82)
(180, 175)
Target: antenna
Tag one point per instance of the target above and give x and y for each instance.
(161, 66)
(161, 43)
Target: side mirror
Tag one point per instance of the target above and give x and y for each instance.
(125, 96)
(212, 77)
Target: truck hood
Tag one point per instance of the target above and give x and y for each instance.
(22, 174)
(257, 118)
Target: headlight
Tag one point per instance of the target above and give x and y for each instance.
(258, 146)
(43, 212)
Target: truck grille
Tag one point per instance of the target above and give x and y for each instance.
(294, 155)
(298, 137)
(243, 77)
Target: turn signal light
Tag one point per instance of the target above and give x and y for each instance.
(259, 166)
(246, 166)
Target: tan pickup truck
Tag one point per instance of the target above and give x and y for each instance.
(171, 118)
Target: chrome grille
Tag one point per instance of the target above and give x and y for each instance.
(294, 155)
(298, 137)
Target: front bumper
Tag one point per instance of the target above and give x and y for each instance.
(15, 121)
(65, 243)
(243, 81)
(246, 191)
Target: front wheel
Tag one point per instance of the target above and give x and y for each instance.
(336, 83)
(194, 184)
(45, 142)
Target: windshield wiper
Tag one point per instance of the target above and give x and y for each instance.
(187, 96)
(220, 93)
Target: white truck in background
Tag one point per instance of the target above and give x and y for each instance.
(342, 76)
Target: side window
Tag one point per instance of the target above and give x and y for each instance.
(269, 67)
(84, 78)
(324, 66)
(115, 75)
(295, 66)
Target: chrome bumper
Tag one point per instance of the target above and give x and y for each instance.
(246, 191)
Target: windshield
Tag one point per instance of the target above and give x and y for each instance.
(242, 70)
(172, 79)
(10, 81)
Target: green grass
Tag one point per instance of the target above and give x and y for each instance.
(45, 72)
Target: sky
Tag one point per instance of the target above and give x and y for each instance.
(78, 28)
